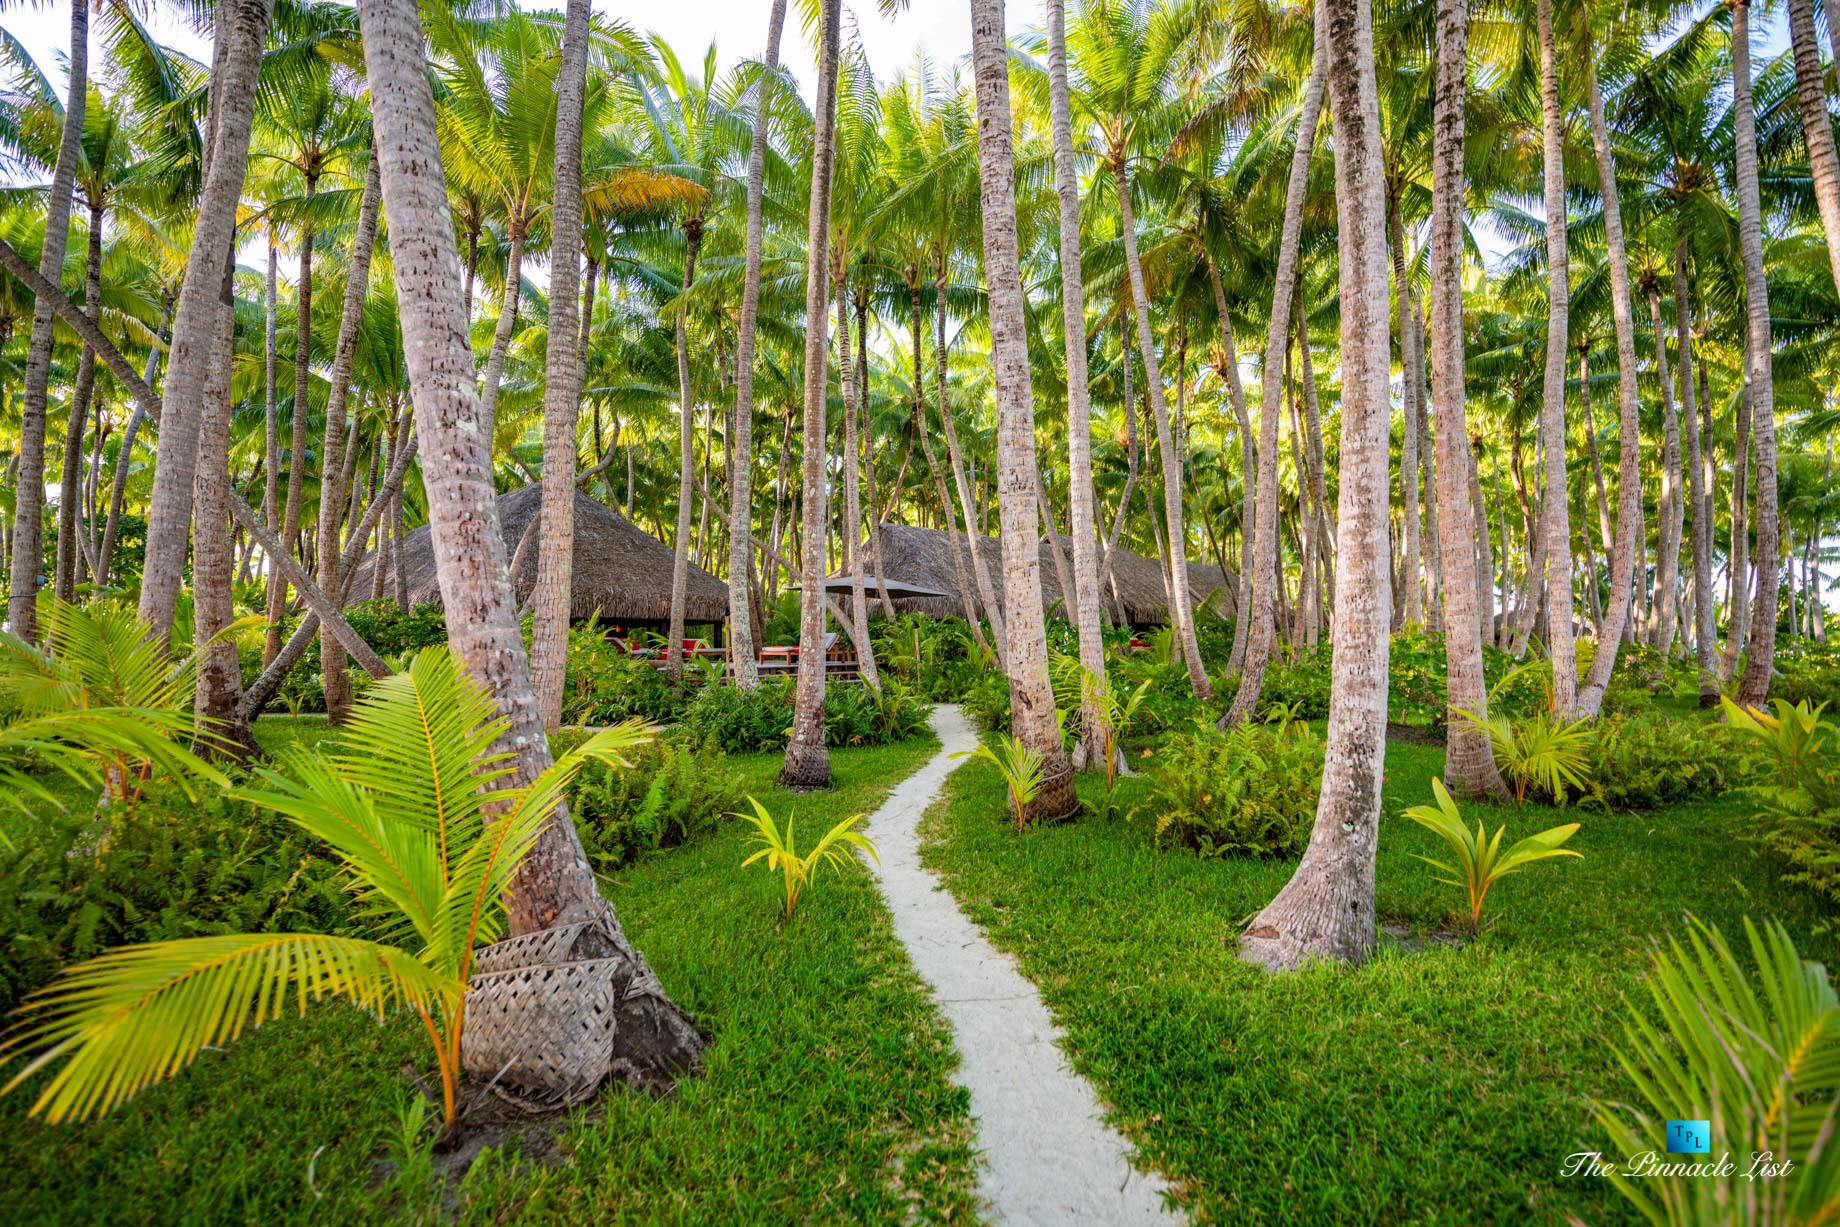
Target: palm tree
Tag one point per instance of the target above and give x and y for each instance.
(198, 331)
(1555, 524)
(1469, 758)
(1130, 58)
(1760, 647)
(1082, 524)
(808, 759)
(1629, 477)
(549, 640)
(414, 803)
(29, 489)
(1326, 910)
(553, 883)
(1032, 714)
(1817, 126)
(1261, 624)
(741, 444)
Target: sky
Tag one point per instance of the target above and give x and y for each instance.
(942, 28)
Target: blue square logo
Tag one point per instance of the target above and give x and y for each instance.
(1689, 1137)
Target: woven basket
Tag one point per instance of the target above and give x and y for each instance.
(540, 1014)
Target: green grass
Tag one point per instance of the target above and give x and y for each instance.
(826, 1095)
(1438, 1086)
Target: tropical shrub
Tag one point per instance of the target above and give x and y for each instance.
(103, 706)
(1807, 672)
(1020, 767)
(182, 868)
(1798, 816)
(987, 702)
(738, 721)
(605, 685)
(1300, 687)
(663, 795)
(1247, 791)
(1416, 678)
(1480, 861)
(390, 630)
(1646, 760)
(401, 799)
(1540, 755)
(1757, 1056)
(779, 850)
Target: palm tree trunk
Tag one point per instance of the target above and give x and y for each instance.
(1082, 525)
(742, 665)
(1469, 760)
(70, 481)
(1738, 562)
(334, 680)
(848, 377)
(124, 462)
(653, 1040)
(217, 705)
(1260, 626)
(1705, 632)
(507, 324)
(1326, 910)
(1485, 554)
(195, 319)
(1181, 612)
(967, 500)
(686, 461)
(1413, 386)
(1248, 514)
(1131, 457)
(1668, 507)
(1555, 522)
(1760, 644)
(1817, 128)
(549, 640)
(299, 413)
(808, 759)
(271, 409)
(1032, 716)
(1629, 469)
(28, 553)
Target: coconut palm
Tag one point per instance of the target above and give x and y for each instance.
(430, 821)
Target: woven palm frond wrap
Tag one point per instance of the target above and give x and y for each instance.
(541, 1011)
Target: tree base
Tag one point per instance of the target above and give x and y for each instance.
(807, 768)
(1314, 919)
(1055, 800)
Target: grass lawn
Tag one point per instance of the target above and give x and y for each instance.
(1439, 1086)
(826, 1096)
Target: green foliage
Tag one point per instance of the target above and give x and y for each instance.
(1480, 861)
(937, 658)
(780, 850)
(1300, 687)
(1807, 672)
(1758, 1057)
(103, 705)
(606, 685)
(180, 869)
(389, 630)
(1417, 678)
(1539, 754)
(987, 701)
(1798, 817)
(738, 721)
(1647, 760)
(401, 797)
(663, 795)
(1021, 767)
(1246, 791)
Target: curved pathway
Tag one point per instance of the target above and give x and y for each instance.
(1050, 1156)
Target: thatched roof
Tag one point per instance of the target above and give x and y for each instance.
(620, 571)
(921, 558)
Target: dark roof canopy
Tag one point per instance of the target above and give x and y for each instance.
(621, 571)
(919, 561)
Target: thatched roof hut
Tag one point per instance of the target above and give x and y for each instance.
(620, 571)
(920, 559)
